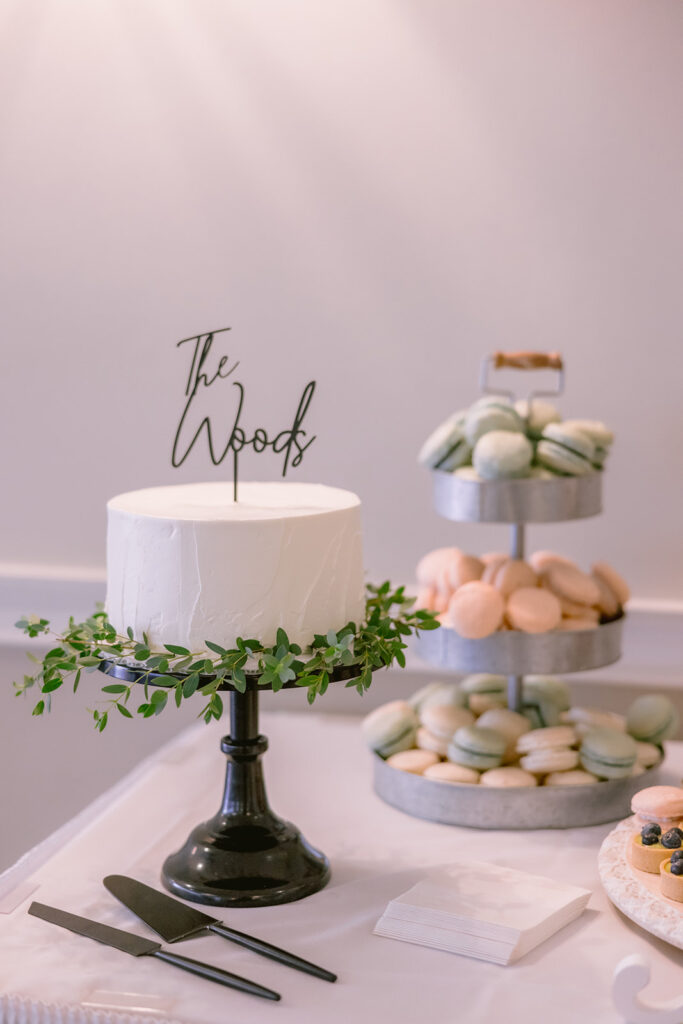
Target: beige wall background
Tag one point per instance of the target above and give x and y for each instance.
(373, 194)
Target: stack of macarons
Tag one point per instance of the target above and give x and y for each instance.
(497, 439)
(477, 596)
(657, 845)
(464, 733)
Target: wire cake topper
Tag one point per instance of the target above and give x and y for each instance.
(291, 442)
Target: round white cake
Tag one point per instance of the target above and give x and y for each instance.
(187, 564)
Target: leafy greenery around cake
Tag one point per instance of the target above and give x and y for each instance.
(377, 643)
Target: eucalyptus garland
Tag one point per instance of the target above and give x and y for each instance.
(82, 648)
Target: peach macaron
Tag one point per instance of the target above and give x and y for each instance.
(533, 610)
(476, 610)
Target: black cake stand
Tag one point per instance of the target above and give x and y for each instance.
(245, 856)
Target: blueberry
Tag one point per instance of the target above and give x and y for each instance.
(672, 839)
(677, 866)
(676, 855)
(649, 838)
(679, 832)
(652, 828)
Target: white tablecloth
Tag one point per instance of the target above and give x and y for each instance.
(318, 776)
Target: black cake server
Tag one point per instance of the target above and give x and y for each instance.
(174, 921)
(136, 945)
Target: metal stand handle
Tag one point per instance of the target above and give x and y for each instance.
(522, 361)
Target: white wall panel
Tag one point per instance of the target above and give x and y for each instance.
(371, 193)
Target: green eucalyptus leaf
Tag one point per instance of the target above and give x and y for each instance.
(165, 681)
(190, 684)
(51, 684)
(281, 638)
(216, 648)
(174, 649)
(159, 705)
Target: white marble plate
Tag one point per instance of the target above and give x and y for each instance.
(636, 893)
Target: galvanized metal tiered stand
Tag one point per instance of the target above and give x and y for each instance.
(516, 654)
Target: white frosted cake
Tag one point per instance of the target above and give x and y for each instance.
(186, 564)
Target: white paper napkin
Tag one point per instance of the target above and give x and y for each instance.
(482, 910)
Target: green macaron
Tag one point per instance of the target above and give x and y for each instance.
(476, 747)
(549, 688)
(537, 414)
(390, 728)
(493, 412)
(601, 436)
(566, 449)
(652, 719)
(502, 454)
(542, 710)
(437, 695)
(446, 448)
(483, 683)
(607, 753)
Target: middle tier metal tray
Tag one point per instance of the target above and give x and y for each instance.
(511, 653)
(528, 500)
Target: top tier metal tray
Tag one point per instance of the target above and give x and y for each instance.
(528, 500)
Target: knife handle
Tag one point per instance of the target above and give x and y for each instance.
(214, 974)
(273, 952)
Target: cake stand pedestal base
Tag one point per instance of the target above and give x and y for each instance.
(245, 856)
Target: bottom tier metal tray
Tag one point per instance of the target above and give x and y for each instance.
(513, 808)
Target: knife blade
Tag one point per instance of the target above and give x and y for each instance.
(174, 921)
(136, 945)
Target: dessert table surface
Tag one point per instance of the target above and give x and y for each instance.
(319, 776)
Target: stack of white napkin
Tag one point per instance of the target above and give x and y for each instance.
(481, 910)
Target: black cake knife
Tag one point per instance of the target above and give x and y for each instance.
(174, 921)
(136, 945)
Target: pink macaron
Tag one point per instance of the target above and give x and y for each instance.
(569, 582)
(514, 574)
(571, 625)
(493, 560)
(533, 610)
(662, 804)
(431, 567)
(607, 576)
(476, 610)
(463, 569)
(542, 560)
(607, 603)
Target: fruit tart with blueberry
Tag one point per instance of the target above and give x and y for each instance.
(671, 875)
(650, 848)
